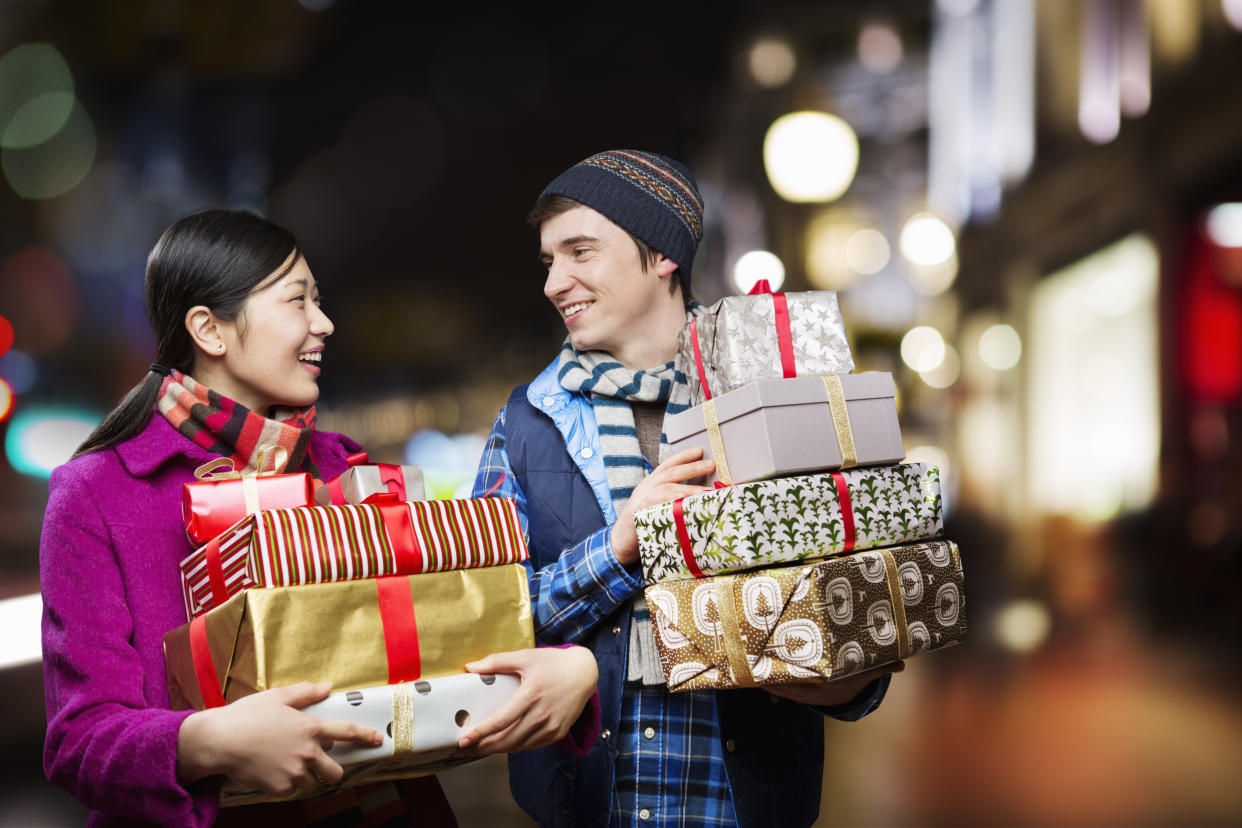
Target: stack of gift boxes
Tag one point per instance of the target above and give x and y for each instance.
(360, 582)
(817, 554)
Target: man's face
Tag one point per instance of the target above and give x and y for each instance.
(597, 282)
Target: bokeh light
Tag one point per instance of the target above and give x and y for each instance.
(922, 348)
(755, 265)
(879, 48)
(926, 240)
(1224, 224)
(946, 373)
(55, 166)
(771, 62)
(19, 371)
(6, 400)
(867, 251)
(20, 618)
(933, 280)
(38, 291)
(6, 335)
(810, 156)
(1000, 347)
(1023, 625)
(827, 237)
(1233, 12)
(40, 439)
(36, 95)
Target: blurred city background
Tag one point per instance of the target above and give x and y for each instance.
(1032, 210)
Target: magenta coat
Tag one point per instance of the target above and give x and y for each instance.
(112, 539)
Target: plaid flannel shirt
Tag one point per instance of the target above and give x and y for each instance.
(670, 769)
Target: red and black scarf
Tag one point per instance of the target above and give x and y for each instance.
(229, 429)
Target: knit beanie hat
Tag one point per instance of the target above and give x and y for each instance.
(651, 196)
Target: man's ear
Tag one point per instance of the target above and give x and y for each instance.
(664, 266)
(205, 328)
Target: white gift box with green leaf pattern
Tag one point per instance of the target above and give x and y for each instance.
(789, 519)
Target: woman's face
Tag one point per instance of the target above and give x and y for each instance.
(274, 347)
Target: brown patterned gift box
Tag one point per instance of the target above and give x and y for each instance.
(809, 623)
(741, 339)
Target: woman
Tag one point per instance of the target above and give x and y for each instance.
(240, 335)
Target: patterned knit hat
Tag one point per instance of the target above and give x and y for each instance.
(651, 196)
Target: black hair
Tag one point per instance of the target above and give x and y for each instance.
(214, 258)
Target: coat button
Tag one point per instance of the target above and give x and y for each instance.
(588, 453)
(730, 745)
(548, 401)
(644, 814)
(616, 630)
(649, 733)
(605, 734)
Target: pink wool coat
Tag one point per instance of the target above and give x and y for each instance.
(112, 539)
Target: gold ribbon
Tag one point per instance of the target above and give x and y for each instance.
(210, 471)
(840, 420)
(402, 719)
(899, 603)
(735, 652)
(716, 442)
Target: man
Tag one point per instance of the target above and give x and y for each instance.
(576, 448)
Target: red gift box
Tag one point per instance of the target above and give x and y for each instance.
(220, 498)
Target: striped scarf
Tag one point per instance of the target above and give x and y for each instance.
(229, 429)
(612, 386)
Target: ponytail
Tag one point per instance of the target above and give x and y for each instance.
(130, 415)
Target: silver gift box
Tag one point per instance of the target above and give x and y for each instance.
(738, 341)
(785, 426)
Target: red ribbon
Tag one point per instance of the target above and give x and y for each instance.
(698, 358)
(215, 572)
(399, 527)
(396, 605)
(784, 336)
(357, 459)
(683, 538)
(496, 485)
(204, 668)
(393, 479)
(847, 510)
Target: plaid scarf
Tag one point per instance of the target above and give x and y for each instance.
(228, 428)
(612, 386)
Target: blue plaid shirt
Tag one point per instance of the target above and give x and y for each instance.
(670, 769)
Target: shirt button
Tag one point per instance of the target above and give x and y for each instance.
(547, 401)
(616, 630)
(605, 734)
(730, 745)
(644, 814)
(588, 453)
(649, 733)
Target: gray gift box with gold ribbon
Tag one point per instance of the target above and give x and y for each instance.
(778, 427)
(809, 623)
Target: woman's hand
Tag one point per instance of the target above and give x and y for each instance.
(556, 684)
(265, 742)
(837, 692)
(665, 483)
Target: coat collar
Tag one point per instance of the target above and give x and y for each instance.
(157, 443)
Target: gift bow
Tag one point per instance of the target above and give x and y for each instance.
(211, 472)
(390, 474)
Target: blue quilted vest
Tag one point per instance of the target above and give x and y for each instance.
(774, 749)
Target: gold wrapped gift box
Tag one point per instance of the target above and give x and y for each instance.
(265, 638)
(810, 622)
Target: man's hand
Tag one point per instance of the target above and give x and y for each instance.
(555, 686)
(665, 483)
(834, 693)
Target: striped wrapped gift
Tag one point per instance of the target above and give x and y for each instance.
(315, 544)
